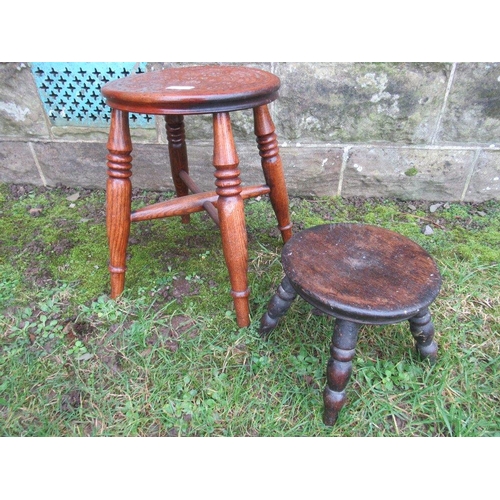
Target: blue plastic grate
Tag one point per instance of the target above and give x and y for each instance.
(71, 92)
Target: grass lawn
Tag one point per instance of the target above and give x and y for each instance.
(167, 359)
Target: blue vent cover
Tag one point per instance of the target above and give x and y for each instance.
(71, 92)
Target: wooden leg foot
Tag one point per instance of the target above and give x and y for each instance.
(231, 215)
(333, 401)
(118, 198)
(278, 306)
(339, 368)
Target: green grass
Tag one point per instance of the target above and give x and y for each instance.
(167, 359)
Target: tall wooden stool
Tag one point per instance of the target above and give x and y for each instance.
(176, 92)
(359, 274)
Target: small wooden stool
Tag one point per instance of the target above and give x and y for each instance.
(359, 274)
(174, 93)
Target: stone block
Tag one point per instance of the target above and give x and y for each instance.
(309, 171)
(84, 165)
(361, 102)
(407, 173)
(17, 165)
(312, 171)
(78, 164)
(100, 134)
(21, 112)
(472, 114)
(485, 181)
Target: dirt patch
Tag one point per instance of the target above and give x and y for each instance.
(18, 191)
(112, 359)
(62, 246)
(184, 325)
(71, 401)
(40, 277)
(79, 330)
(169, 337)
(179, 289)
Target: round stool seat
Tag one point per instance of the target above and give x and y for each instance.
(192, 90)
(361, 273)
(173, 93)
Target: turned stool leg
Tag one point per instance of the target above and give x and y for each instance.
(231, 215)
(119, 197)
(339, 368)
(278, 306)
(422, 329)
(273, 169)
(177, 151)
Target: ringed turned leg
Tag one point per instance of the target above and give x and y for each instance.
(118, 198)
(231, 215)
(278, 306)
(422, 329)
(177, 151)
(339, 368)
(273, 169)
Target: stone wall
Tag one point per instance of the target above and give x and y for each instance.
(427, 131)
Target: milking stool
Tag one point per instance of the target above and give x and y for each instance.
(358, 274)
(173, 93)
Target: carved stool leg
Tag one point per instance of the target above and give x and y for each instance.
(273, 169)
(422, 329)
(177, 151)
(339, 368)
(278, 306)
(119, 197)
(231, 215)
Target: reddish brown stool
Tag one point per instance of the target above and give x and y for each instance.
(358, 274)
(176, 92)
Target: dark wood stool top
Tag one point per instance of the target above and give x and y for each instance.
(359, 274)
(362, 273)
(192, 90)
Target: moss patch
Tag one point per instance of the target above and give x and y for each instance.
(411, 172)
